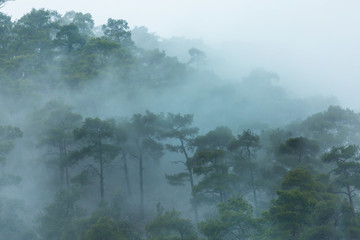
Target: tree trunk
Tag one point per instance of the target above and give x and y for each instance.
(62, 176)
(141, 176)
(101, 172)
(192, 189)
(190, 177)
(67, 177)
(126, 172)
(141, 169)
(349, 196)
(293, 234)
(101, 180)
(61, 166)
(252, 177)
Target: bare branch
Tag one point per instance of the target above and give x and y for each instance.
(177, 162)
(93, 168)
(2, 3)
(341, 193)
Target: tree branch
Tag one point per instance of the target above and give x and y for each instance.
(2, 2)
(93, 168)
(177, 162)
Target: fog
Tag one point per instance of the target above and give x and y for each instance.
(312, 45)
(196, 120)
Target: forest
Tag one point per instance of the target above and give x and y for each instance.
(105, 136)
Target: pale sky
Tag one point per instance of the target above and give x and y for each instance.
(314, 45)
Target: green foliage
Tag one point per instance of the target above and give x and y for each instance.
(144, 144)
(63, 219)
(155, 70)
(105, 223)
(104, 229)
(33, 35)
(5, 34)
(68, 38)
(177, 126)
(234, 221)
(170, 226)
(95, 135)
(57, 220)
(301, 180)
(208, 161)
(54, 124)
(327, 232)
(247, 140)
(84, 22)
(117, 31)
(243, 150)
(273, 138)
(211, 163)
(43, 43)
(177, 179)
(217, 182)
(275, 172)
(297, 151)
(219, 138)
(57, 123)
(333, 127)
(145, 132)
(104, 49)
(292, 211)
(94, 129)
(305, 209)
(346, 173)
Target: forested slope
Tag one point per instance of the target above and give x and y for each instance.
(104, 136)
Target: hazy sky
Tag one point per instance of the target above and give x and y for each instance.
(314, 45)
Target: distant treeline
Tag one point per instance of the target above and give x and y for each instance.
(45, 49)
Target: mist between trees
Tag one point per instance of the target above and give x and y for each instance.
(105, 136)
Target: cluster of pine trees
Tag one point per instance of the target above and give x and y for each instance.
(297, 182)
(44, 50)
